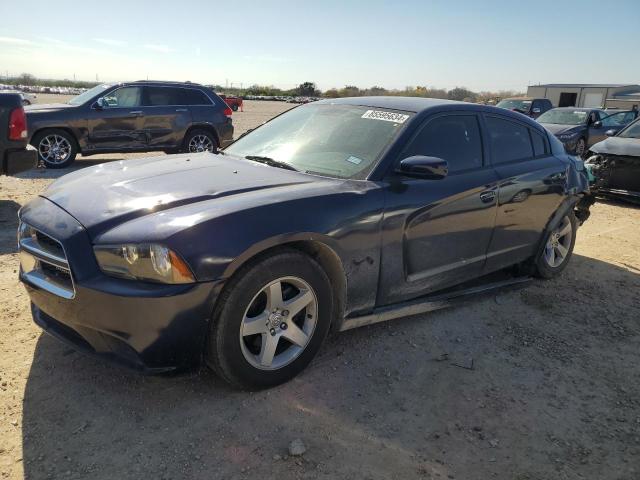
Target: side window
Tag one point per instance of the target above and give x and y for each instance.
(125, 97)
(162, 96)
(618, 119)
(509, 140)
(191, 96)
(454, 138)
(539, 143)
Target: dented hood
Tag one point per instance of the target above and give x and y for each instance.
(618, 146)
(106, 195)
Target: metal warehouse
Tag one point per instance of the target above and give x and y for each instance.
(588, 95)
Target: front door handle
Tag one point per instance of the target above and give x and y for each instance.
(136, 113)
(181, 110)
(488, 196)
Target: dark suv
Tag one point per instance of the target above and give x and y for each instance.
(531, 107)
(130, 117)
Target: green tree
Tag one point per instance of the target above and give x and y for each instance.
(307, 89)
(461, 93)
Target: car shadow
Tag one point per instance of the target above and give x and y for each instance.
(402, 399)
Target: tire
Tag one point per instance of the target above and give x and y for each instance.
(581, 147)
(558, 243)
(245, 327)
(65, 146)
(200, 140)
(234, 107)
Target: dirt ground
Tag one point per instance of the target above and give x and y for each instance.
(553, 392)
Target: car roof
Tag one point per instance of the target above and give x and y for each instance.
(162, 82)
(409, 104)
(419, 105)
(579, 109)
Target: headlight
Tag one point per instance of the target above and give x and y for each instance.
(566, 136)
(148, 261)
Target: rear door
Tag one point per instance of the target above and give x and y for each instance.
(166, 116)
(530, 189)
(119, 124)
(617, 121)
(436, 232)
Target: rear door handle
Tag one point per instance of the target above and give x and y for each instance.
(136, 113)
(488, 196)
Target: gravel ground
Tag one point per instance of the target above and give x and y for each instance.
(536, 383)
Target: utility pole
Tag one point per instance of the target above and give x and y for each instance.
(226, 83)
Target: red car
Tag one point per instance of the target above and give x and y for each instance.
(234, 102)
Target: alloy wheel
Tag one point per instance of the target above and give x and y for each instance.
(559, 243)
(580, 147)
(54, 149)
(278, 324)
(200, 143)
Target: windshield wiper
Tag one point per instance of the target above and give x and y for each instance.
(271, 162)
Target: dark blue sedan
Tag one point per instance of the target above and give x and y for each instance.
(333, 215)
(580, 128)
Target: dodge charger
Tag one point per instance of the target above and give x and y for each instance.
(332, 215)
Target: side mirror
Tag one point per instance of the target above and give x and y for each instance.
(610, 133)
(99, 104)
(597, 124)
(420, 166)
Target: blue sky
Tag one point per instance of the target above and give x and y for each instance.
(482, 45)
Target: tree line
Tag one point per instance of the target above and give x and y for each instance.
(306, 89)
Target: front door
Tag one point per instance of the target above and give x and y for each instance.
(166, 117)
(118, 124)
(436, 232)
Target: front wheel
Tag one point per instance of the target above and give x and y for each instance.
(200, 141)
(56, 148)
(270, 321)
(558, 248)
(581, 146)
(234, 107)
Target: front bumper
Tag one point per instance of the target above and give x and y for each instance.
(16, 161)
(150, 327)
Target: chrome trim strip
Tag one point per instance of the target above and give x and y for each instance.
(429, 304)
(34, 248)
(39, 280)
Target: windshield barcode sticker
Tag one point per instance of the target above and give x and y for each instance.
(386, 116)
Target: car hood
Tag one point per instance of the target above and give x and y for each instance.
(618, 146)
(106, 195)
(47, 107)
(557, 129)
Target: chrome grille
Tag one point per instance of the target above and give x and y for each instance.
(44, 263)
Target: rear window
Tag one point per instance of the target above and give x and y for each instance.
(162, 96)
(539, 144)
(191, 96)
(510, 141)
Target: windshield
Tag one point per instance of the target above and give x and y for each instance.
(632, 131)
(564, 117)
(523, 105)
(88, 95)
(341, 141)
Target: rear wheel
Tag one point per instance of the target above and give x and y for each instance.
(56, 148)
(271, 321)
(234, 107)
(199, 140)
(558, 248)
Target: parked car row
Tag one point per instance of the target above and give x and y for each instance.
(577, 128)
